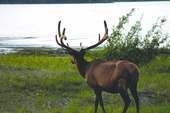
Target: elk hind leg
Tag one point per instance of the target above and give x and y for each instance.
(133, 90)
(124, 94)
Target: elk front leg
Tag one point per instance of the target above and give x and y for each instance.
(96, 103)
(98, 99)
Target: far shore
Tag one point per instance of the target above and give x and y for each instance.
(32, 50)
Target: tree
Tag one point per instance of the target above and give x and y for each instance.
(132, 46)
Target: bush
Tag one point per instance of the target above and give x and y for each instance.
(132, 46)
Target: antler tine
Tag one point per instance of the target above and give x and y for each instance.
(59, 35)
(100, 40)
(106, 30)
(99, 37)
(59, 43)
(63, 34)
(65, 47)
(81, 47)
(59, 28)
(57, 40)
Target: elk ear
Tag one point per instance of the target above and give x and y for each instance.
(73, 60)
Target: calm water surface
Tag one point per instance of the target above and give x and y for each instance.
(36, 25)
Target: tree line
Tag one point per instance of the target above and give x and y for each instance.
(66, 1)
(52, 1)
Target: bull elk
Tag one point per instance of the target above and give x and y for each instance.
(114, 76)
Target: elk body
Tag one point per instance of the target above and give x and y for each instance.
(109, 76)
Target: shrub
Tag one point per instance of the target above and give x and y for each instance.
(133, 46)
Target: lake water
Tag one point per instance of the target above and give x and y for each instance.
(24, 26)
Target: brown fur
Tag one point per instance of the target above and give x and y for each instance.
(109, 76)
(112, 77)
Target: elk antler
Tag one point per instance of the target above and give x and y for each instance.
(65, 47)
(100, 40)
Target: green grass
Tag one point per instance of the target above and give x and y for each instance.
(156, 76)
(43, 63)
(43, 84)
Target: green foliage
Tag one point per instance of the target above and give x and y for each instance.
(95, 54)
(132, 46)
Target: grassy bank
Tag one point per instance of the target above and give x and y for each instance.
(43, 84)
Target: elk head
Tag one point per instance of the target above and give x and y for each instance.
(77, 55)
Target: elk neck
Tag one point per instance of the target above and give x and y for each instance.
(81, 64)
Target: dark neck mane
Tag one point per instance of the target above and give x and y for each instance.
(81, 66)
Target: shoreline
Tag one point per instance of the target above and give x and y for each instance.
(11, 50)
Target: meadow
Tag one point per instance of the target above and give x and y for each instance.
(43, 83)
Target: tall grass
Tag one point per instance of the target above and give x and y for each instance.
(41, 84)
(155, 77)
(44, 63)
